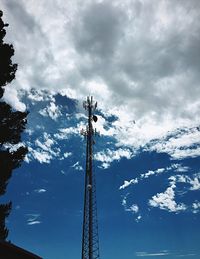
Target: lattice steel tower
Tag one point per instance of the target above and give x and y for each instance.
(90, 239)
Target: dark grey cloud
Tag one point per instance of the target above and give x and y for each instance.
(142, 53)
(99, 29)
(19, 13)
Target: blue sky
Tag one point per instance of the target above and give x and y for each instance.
(148, 204)
(139, 61)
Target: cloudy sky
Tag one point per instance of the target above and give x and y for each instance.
(140, 61)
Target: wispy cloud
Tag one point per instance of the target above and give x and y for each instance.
(131, 208)
(164, 253)
(34, 222)
(33, 219)
(77, 166)
(147, 254)
(150, 173)
(40, 190)
(186, 255)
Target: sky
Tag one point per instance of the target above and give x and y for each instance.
(139, 59)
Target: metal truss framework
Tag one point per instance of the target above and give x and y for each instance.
(90, 239)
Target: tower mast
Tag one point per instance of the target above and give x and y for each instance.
(90, 239)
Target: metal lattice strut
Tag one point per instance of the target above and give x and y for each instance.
(90, 239)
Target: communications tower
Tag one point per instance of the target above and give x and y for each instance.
(90, 238)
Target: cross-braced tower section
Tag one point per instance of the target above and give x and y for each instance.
(90, 239)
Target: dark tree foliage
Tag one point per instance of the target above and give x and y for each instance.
(4, 212)
(9, 161)
(12, 124)
(7, 69)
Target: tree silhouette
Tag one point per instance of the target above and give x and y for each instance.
(7, 69)
(4, 212)
(12, 124)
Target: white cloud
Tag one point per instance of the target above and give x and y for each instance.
(52, 111)
(77, 166)
(44, 149)
(133, 208)
(147, 254)
(165, 201)
(103, 128)
(11, 97)
(182, 145)
(196, 206)
(193, 181)
(33, 219)
(65, 133)
(67, 154)
(29, 131)
(79, 116)
(182, 169)
(42, 157)
(14, 147)
(186, 255)
(127, 183)
(149, 174)
(138, 218)
(108, 156)
(46, 145)
(157, 84)
(34, 222)
(63, 172)
(37, 95)
(40, 190)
